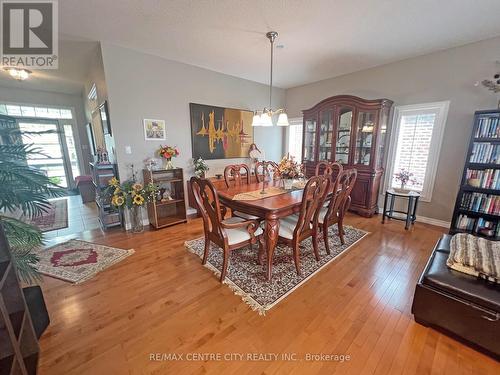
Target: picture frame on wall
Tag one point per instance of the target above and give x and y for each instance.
(90, 136)
(105, 121)
(154, 130)
(220, 132)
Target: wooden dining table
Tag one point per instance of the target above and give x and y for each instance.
(271, 209)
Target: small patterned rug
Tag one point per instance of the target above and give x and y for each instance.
(248, 279)
(77, 261)
(56, 217)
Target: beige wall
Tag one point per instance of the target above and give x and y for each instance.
(145, 86)
(446, 75)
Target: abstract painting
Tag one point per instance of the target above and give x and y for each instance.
(220, 133)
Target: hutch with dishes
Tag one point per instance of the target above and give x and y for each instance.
(351, 131)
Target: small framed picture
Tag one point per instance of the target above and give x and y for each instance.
(154, 130)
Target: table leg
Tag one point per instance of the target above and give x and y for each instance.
(414, 218)
(409, 212)
(385, 208)
(391, 210)
(271, 235)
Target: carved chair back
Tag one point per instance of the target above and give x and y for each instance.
(208, 203)
(233, 176)
(341, 196)
(313, 197)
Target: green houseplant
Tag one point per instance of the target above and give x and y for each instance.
(25, 189)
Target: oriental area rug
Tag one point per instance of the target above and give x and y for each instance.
(77, 261)
(247, 278)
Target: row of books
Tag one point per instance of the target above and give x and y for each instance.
(479, 202)
(485, 153)
(487, 128)
(486, 178)
(478, 226)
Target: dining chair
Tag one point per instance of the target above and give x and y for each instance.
(229, 234)
(234, 178)
(296, 228)
(338, 206)
(263, 167)
(332, 171)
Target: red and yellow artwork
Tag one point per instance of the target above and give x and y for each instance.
(220, 133)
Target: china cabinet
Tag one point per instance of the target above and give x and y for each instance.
(351, 131)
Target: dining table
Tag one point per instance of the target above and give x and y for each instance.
(269, 208)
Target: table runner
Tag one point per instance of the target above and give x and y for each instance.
(256, 194)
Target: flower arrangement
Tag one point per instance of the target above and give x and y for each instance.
(404, 176)
(131, 193)
(289, 168)
(168, 152)
(200, 167)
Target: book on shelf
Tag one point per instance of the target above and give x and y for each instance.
(488, 178)
(480, 225)
(487, 127)
(484, 152)
(481, 203)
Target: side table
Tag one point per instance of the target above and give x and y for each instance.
(410, 215)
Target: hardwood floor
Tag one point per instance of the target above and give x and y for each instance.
(161, 300)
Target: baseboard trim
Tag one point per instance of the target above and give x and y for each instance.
(430, 220)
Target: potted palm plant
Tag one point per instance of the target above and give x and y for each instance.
(24, 189)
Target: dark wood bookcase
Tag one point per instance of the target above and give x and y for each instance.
(167, 212)
(477, 207)
(18, 343)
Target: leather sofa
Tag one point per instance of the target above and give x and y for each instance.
(458, 304)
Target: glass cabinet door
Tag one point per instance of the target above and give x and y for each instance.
(364, 137)
(309, 139)
(381, 140)
(325, 134)
(343, 135)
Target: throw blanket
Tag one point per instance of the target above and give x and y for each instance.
(475, 256)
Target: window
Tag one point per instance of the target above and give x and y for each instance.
(294, 138)
(416, 138)
(35, 112)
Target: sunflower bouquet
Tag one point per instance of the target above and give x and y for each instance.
(131, 193)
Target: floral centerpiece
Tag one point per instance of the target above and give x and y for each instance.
(289, 169)
(167, 153)
(134, 196)
(404, 176)
(200, 167)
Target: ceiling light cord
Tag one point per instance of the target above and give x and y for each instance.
(271, 38)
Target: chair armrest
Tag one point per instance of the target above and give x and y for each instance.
(251, 225)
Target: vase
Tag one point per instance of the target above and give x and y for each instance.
(136, 219)
(287, 183)
(168, 164)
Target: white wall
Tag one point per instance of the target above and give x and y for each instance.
(27, 96)
(445, 75)
(145, 86)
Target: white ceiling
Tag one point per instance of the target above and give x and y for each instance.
(322, 38)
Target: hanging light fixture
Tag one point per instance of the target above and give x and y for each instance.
(265, 117)
(19, 74)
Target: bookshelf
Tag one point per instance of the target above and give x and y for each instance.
(477, 207)
(169, 207)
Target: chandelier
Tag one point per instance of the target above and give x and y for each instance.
(264, 117)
